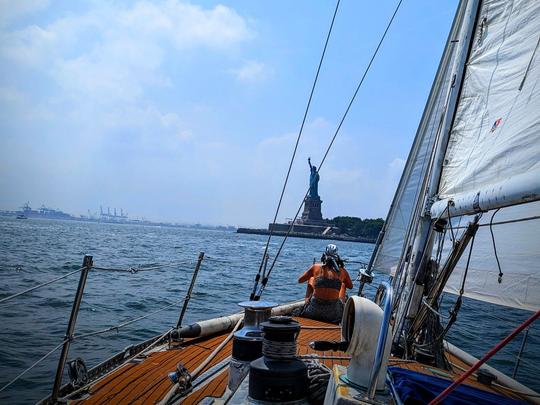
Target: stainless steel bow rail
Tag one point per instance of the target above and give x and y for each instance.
(71, 336)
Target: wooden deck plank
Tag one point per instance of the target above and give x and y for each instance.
(156, 377)
(147, 382)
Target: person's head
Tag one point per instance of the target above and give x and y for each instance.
(331, 258)
(331, 250)
(313, 168)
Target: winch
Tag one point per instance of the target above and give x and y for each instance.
(247, 342)
(279, 376)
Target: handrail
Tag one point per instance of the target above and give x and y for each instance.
(381, 342)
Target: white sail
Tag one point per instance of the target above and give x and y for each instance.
(398, 221)
(493, 154)
(518, 250)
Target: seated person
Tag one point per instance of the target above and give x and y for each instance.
(326, 290)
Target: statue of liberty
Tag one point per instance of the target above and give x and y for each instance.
(313, 181)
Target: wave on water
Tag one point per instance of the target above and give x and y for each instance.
(35, 323)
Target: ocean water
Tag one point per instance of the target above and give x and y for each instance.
(34, 251)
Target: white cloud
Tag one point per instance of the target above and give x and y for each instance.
(252, 71)
(170, 23)
(12, 9)
(187, 25)
(395, 168)
(105, 61)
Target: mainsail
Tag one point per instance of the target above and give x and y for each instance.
(477, 150)
(392, 240)
(493, 156)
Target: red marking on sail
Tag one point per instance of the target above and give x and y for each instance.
(496, 124)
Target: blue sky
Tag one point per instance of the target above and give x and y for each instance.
(188, 111)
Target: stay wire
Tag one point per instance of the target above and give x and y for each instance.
(39, 286)
(295, 149)
(345, 114)
(457, 305)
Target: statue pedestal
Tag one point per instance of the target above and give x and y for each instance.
(312, 214)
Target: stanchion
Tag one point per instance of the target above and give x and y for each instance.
(87, 265)
(188, 295)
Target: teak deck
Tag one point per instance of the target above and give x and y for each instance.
(146, 381)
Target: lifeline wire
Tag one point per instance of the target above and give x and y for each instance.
(331, 144)
(39, 286)
(139, 268)
(33, 365)
(295, 148)
(126, 323)
(156, 341)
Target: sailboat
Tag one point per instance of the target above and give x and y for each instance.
(463, 221)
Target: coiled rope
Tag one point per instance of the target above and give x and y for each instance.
(318, 377)
(278, 350)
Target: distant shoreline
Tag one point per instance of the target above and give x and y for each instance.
(254, 231)
(128, 222)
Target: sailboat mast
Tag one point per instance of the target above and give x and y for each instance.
(422, 245)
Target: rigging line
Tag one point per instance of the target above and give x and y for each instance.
(345, 114)
(123, 324)
(296, 144)
(39, 286)
(522, 393)
(195, 373)
(33, 365)
(508, 221)
(217, 260)
(450, 224)
(499, 279)
(462, 288)
(457, 305)
(355, 262)
(485, 358)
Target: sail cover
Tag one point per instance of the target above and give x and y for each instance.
(495, 139)
(518, 249)
(388, 254)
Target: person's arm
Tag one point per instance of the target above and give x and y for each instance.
(347, 279)
(309, 289)
(309, 162)
(343, 293)
(306, 276)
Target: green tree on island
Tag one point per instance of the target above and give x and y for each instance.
(358, 227)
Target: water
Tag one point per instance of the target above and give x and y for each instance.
(34, 251)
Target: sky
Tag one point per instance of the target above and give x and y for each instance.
(189, 111)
